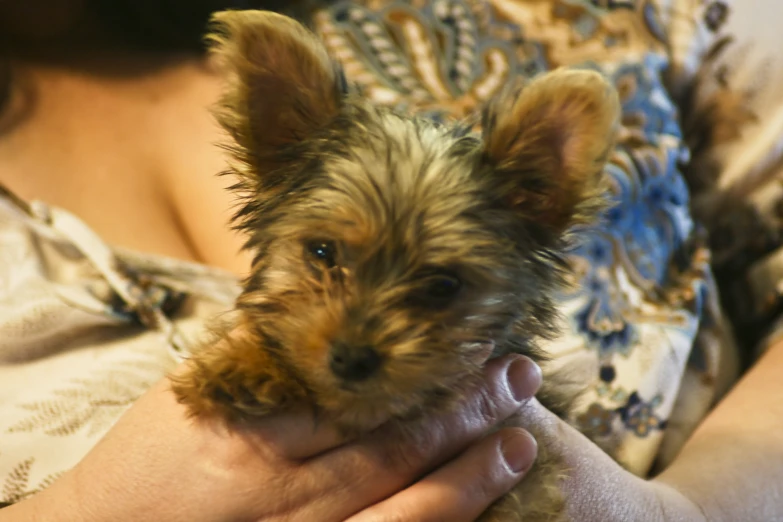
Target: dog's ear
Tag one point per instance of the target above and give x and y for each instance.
(282, 85)
(547, 143)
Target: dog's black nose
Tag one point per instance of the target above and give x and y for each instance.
(354, 363)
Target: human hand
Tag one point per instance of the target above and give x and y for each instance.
(597, 488)
(158, 464)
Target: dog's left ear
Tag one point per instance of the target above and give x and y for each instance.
(547, 144)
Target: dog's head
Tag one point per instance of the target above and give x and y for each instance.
(393, 254)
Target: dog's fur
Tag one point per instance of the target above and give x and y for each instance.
(393, 253)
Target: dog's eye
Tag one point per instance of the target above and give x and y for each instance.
(442, 288)
(324, 252)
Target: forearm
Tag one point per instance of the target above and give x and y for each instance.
(733, 464)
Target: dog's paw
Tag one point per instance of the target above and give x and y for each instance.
(236, 379)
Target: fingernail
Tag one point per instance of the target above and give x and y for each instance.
(519, 450)
(524, 378)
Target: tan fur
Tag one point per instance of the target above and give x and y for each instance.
(392, 251)
(218, 379)
(559, 133)
(282, 81)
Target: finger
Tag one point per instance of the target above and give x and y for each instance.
(413, 449)
(312, 439)
(394, 456)
(590, 473)
(323, 436)
(465, 487)
(585, 461)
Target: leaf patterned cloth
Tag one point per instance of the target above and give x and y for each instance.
(85, 329)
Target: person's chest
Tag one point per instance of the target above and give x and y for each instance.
(99, 152)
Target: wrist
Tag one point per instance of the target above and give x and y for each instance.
(672, 505)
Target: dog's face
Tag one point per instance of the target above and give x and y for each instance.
(394, 255)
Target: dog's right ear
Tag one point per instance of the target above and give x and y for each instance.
(548, 142)
(282, 84)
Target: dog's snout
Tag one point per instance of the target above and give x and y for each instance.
(352, 362)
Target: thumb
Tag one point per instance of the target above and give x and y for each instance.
(595, 486)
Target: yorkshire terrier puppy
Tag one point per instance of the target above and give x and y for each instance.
(394, 254)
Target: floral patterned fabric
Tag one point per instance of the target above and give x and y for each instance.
(84, 329)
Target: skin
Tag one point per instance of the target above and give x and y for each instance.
(162, 197)
(146, 180)
(731, 468)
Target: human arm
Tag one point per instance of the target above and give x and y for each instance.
(732, 466)
(158, 464)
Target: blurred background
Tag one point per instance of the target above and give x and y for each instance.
(765, 41)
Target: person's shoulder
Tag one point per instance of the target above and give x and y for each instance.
(192, 164)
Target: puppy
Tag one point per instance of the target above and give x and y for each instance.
(394, 254)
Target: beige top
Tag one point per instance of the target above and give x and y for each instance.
(82, 335)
